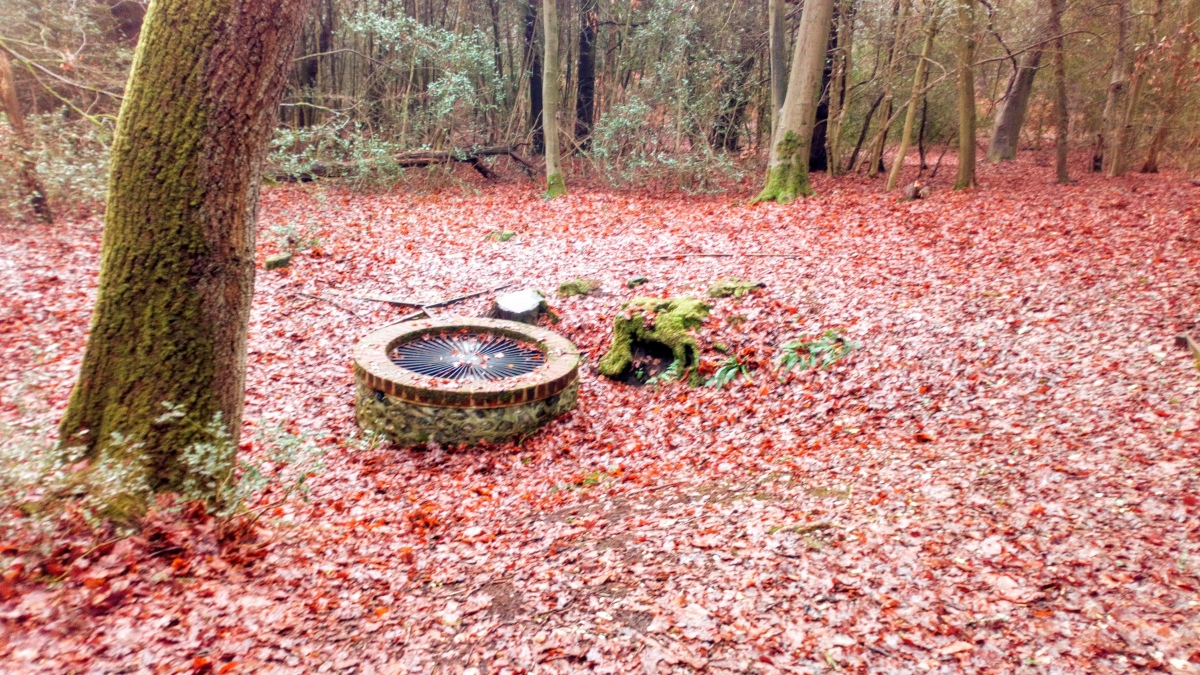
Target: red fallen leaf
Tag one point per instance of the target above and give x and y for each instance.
(8, 591)
(955, 648)
(1190, 500)
(201, 665)
(924, 437)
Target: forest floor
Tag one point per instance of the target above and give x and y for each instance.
(1003, 477)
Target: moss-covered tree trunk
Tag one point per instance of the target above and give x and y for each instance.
(177, 263)
(27, 168)
(555, 185)
(777, 55)
(966, 95)
(787, 175)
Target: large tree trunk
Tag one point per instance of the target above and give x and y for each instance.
(776, 30)
(534, 59)
(1116, 90)
(966, 96)
(177, 262)
(839, 90)
(787, 177)
(1006, 131)
(818, 155)
(27, 168)
(585, 100)
(1061, 118)
(1183, 39)
(555, 185)
(910, 115)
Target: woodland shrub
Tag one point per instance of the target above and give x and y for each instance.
(71, 155)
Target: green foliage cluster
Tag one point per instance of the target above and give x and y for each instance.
(71, 156)
(822, 352)
(727, 372)
(732, 286)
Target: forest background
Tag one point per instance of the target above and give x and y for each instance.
(664, 94)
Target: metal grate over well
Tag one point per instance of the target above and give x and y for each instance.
(467, 356)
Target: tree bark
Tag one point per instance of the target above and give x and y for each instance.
(177, 261)
(534, 59)
(776, 27)
(555, 185)
(1006, 131)
(1116, 89)
(818, 154)
(787, 177)
(27, 168)
(1061, 118)
(839, 99)
(585, 100)
(910, 115)
(875, 151)
(966, 96)
(1126, 132)
(1183, 40)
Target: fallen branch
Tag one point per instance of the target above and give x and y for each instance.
(400, 302)
(317, 297)
(472, 156)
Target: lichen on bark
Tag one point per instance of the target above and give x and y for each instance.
(661, 321)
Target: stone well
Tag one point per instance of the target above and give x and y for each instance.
(456, 384)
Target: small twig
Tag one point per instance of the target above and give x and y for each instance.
(344, 309)
(653, 488)
(713, 255)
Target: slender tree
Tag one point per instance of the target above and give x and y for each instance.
(585, 99)
(787, 176)
(839, 90)
(1126, 129)
(177, 260)
(1061, 118)
(910, 115)
(534, 60)
(26, 168)
(776, 33)
(555, 185)
(1183, 40)
(966, 95)
(1116, 90)
(899, 26)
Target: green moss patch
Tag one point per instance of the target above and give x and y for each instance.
(580, 287)
(665, 323)
(501, 235)
(732, 286)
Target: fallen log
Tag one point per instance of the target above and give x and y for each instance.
(473, 156)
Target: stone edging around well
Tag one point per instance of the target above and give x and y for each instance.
(375, 369)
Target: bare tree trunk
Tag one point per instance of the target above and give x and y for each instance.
(1061, 118)
(1126, 133)
(1183, 40)
(875, 152)
(1116, 90)
(534, 60)
(555, 185)
(177, 264)
(1006, 131)
(862, 135)
(966, 96)
(776, 27)
(585, 100)
(839, 89)
(910, 115)
(787, 177)
(27, 169)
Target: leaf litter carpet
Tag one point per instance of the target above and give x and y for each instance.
(1002, 478)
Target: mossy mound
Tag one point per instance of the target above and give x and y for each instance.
(660, 321)
(580, 287)
(732, 286)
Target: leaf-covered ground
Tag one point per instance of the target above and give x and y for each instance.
(1002, 478)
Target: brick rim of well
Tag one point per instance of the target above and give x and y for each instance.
(374, 368)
